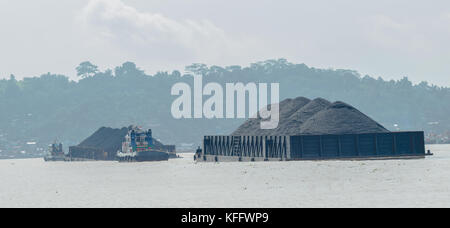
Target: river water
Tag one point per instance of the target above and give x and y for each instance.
(183, 183)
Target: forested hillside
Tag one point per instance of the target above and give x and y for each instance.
(50, 107)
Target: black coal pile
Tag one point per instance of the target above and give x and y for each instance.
(288, 107)
(107, 140)
(292, 125)
(341, 118)
(302, 116)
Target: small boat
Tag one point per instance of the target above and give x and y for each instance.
(138, 147)
(55, 153)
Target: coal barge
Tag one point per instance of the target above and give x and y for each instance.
(139, 147)
(314, 130)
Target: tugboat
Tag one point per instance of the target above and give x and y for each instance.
(55, 153)
(139, 147)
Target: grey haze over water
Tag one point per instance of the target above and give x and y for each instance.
(383, 38)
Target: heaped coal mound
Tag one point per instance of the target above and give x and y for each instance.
(340, 118)
(287, 108)
(302, 116)
(292, 126)
(109, 140)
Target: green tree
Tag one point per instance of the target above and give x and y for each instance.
(197, 68)
(12, 89)
(86, 69)
(128, 69)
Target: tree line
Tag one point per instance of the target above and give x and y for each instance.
(52, 106)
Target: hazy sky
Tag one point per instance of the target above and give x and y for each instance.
(387, 38)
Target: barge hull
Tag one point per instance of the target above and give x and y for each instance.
(394, 145)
